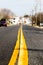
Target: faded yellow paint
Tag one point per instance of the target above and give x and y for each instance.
(23, 55)
(15, 52)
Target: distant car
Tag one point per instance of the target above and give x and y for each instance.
(41, 24)
(3, 22)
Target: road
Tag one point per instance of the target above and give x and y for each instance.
(8, 37)
(34, 42)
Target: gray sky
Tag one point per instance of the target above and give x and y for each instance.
(20, 7)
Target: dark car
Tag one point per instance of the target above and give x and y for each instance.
(3, 22)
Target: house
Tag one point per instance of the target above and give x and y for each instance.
(14, 20)
(26, 20)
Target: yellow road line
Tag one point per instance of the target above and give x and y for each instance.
(15, 52)
(23, 55)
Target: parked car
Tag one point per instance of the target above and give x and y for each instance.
(3, 22)
(41, 24)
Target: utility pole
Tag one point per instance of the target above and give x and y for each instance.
(36, 10)
(32, 17)
(36, 14)
(40, 10)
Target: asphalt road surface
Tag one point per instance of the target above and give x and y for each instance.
(34, 41)
(8, 37)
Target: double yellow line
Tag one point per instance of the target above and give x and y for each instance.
(20, 49)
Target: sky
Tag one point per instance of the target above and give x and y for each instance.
(21, 7)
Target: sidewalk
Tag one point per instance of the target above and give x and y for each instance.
(41, 27)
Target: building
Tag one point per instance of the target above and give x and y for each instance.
(26, 20)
